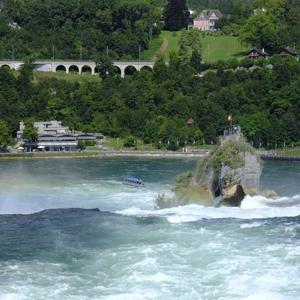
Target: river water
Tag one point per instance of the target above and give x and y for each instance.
(54, 244)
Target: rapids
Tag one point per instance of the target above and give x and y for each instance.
(69, 229)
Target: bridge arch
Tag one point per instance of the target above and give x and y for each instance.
(146, 68)
(130, 70)
(86, 69)
(5, 66)
(61, 68)
(73, 69)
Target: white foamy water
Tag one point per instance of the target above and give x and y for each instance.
(256, 207)
(135, 251)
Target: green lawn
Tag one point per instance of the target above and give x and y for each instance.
(214, 47)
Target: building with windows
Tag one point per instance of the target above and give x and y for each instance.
(53, 136)
(207, 19)
(44, 128)
(289, 52)
(258, 53)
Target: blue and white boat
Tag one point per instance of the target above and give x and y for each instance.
(135, 182)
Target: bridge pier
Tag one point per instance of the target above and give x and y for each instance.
(122, 72)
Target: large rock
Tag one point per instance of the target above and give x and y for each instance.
(229, 173)
(236, 183)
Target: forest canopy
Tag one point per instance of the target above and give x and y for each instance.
(155, 106)
(78, 28)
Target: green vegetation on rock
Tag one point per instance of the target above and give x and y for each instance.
(229, 154)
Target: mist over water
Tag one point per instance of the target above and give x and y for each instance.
(55, 245)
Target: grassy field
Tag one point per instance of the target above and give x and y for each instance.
(67, 77)
(214, 47)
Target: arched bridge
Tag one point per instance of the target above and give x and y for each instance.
(79, 66)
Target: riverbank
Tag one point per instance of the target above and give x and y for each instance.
(56, 155)
(265, 155)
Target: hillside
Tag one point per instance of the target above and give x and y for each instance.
(162, 45)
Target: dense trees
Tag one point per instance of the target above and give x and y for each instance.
(176, 15)
(77, 29)
(273, 24)
(226, 6)
(155, 106)
(4, 135)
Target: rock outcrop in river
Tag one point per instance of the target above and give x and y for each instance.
(225, 177)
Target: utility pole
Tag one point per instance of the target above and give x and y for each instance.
(208, 52)
(106, 51)
(139, 53)
(53, 52)
(80, 51)
(12, 52)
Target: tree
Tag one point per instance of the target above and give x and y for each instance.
(263, 27)
(129, 141)
(189, 44)
(81, 145)
(105, 67)
(176, 15)
(196, 61)
(25, 80)
(260, 31)
(4, 134)
(30, 133)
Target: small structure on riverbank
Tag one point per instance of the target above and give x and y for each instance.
(224, 177)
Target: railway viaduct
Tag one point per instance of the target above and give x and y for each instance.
(78, 66)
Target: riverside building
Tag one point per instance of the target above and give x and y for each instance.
(53, 136)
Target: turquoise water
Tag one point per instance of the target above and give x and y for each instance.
(69, 229)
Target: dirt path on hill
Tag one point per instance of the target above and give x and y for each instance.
(164, 46)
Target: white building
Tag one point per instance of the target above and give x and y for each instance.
(45, 128)
(53, 136)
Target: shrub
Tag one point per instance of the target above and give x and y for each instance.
(81, 145)
(90, 143)
(129, 141)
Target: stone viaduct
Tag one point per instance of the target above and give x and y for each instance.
(79, 66)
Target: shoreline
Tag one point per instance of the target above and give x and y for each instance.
(135, 153)
(72, 155)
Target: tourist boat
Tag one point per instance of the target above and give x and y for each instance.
(135, 182)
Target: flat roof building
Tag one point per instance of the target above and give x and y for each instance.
(53, 136)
